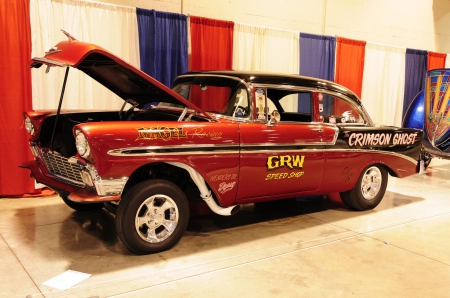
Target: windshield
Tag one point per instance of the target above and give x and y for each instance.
(216, 95)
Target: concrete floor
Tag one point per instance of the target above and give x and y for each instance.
(309, 247)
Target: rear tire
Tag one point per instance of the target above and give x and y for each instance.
(369, 190)
(152, 216)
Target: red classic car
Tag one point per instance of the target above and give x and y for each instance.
(225, 137)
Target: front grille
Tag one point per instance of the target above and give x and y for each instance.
(60, 167)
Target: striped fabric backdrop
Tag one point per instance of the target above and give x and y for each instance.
(165, 45)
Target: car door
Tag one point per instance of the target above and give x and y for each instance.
(285, 158)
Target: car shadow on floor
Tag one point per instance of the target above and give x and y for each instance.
(283, 209)
(84, 236)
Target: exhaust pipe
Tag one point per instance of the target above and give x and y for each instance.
(205, 193)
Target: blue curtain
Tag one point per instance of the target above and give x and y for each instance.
(415, 71)
(317, 59)
(162, 44)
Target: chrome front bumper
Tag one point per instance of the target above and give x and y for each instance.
(77, 172)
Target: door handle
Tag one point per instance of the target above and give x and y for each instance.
(317, 129)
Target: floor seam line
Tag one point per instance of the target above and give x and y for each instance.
(21, 265)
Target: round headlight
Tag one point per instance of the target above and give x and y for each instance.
(29, 126)
(82, 144)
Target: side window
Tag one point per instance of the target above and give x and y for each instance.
(238, 105)
(217, 95)
(296, 107)
(337, 110)
(289, 103)
(292, 106)
(210, 98)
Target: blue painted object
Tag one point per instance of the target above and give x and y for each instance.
(430, 111)
(415, 115)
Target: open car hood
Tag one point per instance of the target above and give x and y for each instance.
(112, 72)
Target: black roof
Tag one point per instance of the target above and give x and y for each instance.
(258, 77)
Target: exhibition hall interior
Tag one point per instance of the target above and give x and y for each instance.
(209, 148)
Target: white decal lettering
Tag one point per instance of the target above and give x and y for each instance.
(224, 187)
(351, 140)
(381, 139)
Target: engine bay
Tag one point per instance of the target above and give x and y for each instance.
(60, 138)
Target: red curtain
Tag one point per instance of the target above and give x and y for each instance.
(211, 44)
(15, 96)
(349, 67)
(211, 49)
(436, 60)
(210, 98)
(350, 63)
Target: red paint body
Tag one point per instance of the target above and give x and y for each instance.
(242, 160)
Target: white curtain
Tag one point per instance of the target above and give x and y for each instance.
(265, 49)
(109, 26)
(383, 83)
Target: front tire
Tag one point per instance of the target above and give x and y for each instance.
(369, 190)
(152, 216)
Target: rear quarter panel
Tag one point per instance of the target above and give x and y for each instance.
(358, 147)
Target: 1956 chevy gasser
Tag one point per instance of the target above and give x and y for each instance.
(225, 137)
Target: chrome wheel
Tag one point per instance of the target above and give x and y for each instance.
(156, 218)
(152, 216)
(371, 182)
(368, 190)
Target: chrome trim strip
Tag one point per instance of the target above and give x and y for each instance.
(34, 151)
(110, 187)
(336, 134)
(337, 150)
(52, 52)
(291, 144)
(214, 75)
(152, 151)
(177, 153)
(231, 118)
(49, 62)
(377, 152)
(92, 171)
(201, 149)
(179, 150)
(360, 108)
(179, 147)
(283, 151)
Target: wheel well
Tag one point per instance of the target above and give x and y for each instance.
(389, 170)
(162, 170)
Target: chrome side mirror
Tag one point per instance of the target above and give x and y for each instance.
(275, 117)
